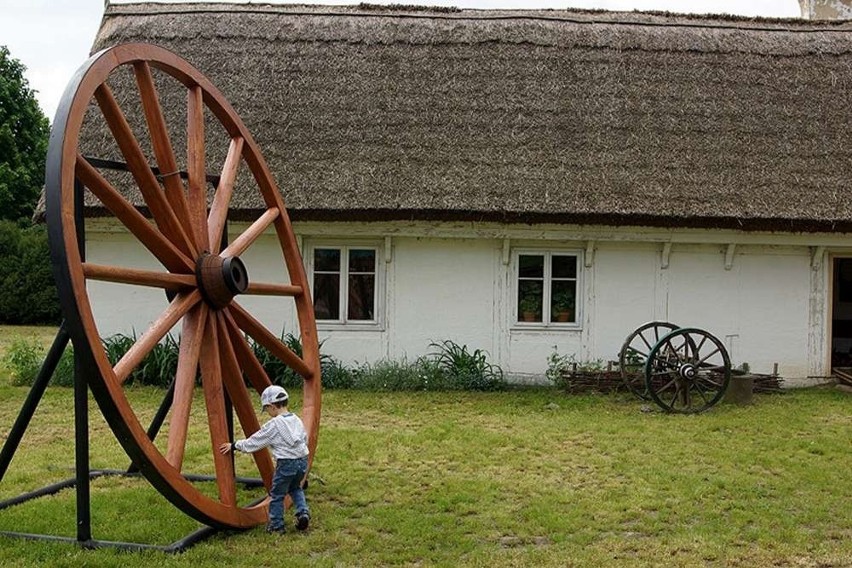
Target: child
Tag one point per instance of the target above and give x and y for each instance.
(286, 437)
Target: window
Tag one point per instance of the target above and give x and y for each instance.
(344, 284)
(546, 288)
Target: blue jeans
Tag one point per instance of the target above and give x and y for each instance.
(287, 480)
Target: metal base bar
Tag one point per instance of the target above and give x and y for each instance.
(177, 546)
(173, 548)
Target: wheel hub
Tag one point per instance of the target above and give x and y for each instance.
(220, 279)
(687, 371)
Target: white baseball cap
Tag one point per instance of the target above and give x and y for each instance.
(272, 394)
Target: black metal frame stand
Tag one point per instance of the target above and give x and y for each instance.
(83, 473)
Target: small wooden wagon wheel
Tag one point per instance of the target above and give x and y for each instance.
(203, 282)
(634, 353)
(687, 371)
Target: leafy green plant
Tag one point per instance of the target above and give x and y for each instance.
(469, 370)
(23, 358)
(563, 300)
(27, 290)
(158, 368)
(63, 375)
(334, 373)
(558, 367)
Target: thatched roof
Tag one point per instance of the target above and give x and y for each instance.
(528, 116)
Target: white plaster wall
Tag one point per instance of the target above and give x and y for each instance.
(759, 308)
(769, 307)
(443, 289)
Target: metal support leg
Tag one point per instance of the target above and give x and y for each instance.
(81, 452)
(33, 398)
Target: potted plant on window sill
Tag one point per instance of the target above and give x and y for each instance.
(563, 304)
(530, 307)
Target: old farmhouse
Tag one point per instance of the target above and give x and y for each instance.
(519, 180)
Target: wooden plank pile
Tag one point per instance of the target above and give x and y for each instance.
(583, 381)
(843, 375)
(578, 380)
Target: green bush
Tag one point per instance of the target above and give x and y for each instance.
(158, 368)
(63, 375)
(24, 359)
(558, 367)
(336, 375)
(467, 370)
(278, 372)
(449, 367)
(27, 289)
(388, 375)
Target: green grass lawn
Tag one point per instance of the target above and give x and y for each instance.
(525, 478)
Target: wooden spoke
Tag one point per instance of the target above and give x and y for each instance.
(266, 289)
(197, 181)
(176, 310)
(123, 275)
(163, 146)
(675, 396)
(247, 323)
(243, 405)
(222, 199)
(249, 362)
(214, 397)
(160, 208)
(165, 251)
(251, 234)
(188, 355)
(717, 350)
(701, 391)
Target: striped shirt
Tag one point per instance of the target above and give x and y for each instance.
(284, 435)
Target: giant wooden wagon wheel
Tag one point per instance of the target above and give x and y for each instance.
(203, 283)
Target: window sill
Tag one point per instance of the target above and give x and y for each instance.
(539, 326)
(349, 326)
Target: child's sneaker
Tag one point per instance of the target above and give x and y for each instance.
(275, 530)
(302, 521)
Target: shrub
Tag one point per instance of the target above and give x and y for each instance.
(158, 368)
(279, 373)
(387, 375)
(558, 368)
(63, 375)
(336, 375)
(25, 357)
(27, 290)
(467, 370)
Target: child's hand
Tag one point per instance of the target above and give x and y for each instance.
(225, 448)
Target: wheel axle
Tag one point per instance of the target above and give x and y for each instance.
(220, 279)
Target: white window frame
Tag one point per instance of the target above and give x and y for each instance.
(378, 289)
(514, 311)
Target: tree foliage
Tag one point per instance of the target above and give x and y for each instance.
(24, 132)
(27, 289)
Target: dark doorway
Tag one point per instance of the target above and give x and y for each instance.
(841, 314)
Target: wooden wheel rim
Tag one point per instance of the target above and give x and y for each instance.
(63, 167)
(639, 350)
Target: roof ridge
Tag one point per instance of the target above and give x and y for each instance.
(366, 10)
